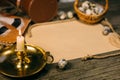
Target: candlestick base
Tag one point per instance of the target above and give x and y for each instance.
(13, 65)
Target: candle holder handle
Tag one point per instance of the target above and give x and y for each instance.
(50, 58)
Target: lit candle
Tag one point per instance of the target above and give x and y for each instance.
(20, 44)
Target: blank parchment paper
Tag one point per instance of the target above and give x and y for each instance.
(69, 39)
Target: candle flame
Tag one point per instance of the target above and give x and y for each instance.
(20, 33)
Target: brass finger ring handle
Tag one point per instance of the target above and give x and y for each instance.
(50, 58)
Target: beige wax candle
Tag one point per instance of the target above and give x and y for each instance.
(20, 44)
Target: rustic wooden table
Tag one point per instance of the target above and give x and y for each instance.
(94, 69)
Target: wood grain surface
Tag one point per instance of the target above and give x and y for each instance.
(94, 69)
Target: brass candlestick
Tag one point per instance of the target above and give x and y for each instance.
(19, 64)
(22, 60)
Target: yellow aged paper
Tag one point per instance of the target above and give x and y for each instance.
(70, 39)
